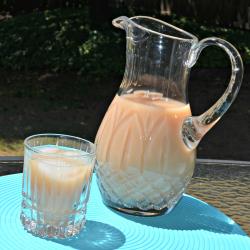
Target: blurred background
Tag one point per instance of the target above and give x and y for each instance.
(61, 63)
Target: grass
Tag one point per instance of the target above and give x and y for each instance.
(39, 102)
(11, 147)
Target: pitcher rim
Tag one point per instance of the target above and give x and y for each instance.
(192, 37)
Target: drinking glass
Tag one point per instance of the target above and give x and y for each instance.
(57, 174)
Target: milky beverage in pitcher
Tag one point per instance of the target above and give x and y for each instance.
(142, 159)
(57, 181)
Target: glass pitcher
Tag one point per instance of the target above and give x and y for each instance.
(146, 144)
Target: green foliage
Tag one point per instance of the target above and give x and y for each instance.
(64, 40)
(58, 40)
(214, 56)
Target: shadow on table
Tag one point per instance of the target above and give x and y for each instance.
(190, 214)
(96, 235)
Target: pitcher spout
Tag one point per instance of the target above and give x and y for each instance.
(121, 22)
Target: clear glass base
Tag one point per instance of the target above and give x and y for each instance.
(137, 201)
(51, 231)
(137, 211)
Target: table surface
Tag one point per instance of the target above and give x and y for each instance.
(221, 183)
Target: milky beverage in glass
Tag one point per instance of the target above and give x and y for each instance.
(58, 189)
(146, 143)
(56, 182)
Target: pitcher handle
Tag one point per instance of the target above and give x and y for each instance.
(195, 127)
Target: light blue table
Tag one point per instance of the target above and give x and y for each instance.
(193, 224)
